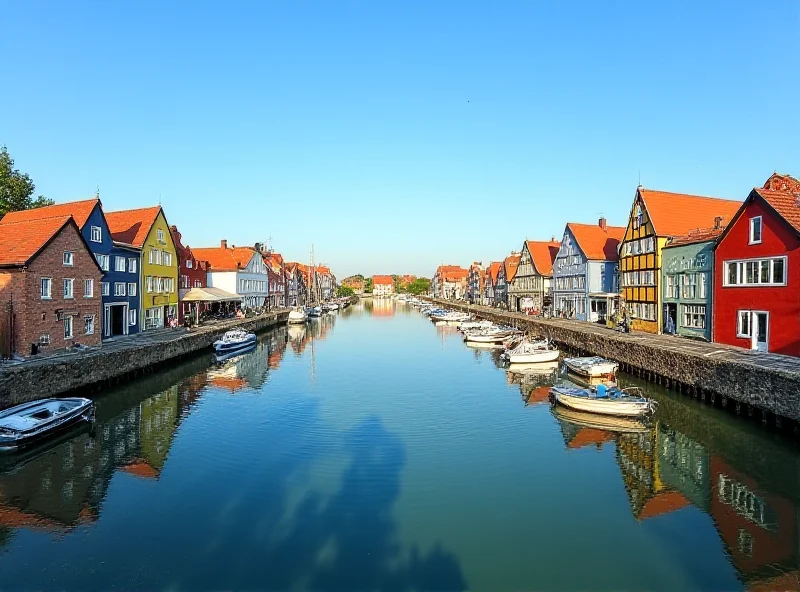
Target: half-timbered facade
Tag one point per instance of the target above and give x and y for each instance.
(530, 289)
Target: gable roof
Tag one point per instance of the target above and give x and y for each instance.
(494, 269)
(543, 253)
(511, 263)
(21, 241)
(596, 243)
(785, 203)
(382, 280)
(79, 210)
(675, 214)
(455, 275)
(132, 226)
(225, 258)
(699, 235)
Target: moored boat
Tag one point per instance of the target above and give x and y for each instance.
(592, 367)
(611, 423)
(531, 353)
(606, 401)
(489, 335)
(25, 424)
(233, 341)
(297, 316)
(314, 312)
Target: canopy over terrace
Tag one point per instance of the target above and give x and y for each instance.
(209, 297)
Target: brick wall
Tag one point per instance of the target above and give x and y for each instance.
(35, 316)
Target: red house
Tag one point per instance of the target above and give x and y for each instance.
(191, 272)
(757, 271)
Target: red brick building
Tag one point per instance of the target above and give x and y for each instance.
(757, 271)
(191, 272)
(49, 287)
(277, 280)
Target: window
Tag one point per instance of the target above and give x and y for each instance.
(97, 234)
(47, 288)
(149, 284)
(88, 325)
(755, 230)
(160, 234)
(131, 289)
(755, 272)
(132, 317)
(119, 288)
(701, 285)
(119, 263)
(88, 288)
(694, 316)
(188, 264)
(637, 221)
(68, 258)
(166, 258)
(104, 288)
(102, 261)
(743, 324)
(44, 339)
(68, 288)
(670, 287)
(67, 327)
(132, 265)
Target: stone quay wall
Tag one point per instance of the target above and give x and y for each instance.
(748, 385)
(94, 369)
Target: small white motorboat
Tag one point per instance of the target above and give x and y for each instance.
(531, 353)
(475, 325)
(297, 316)
(28, 423)
(314, 312)
(593, 367)
(537, 369)
(234, 341)
(489, 335)
(603, 400)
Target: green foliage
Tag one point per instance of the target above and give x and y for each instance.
(368, 286)
(16, 188)
(419, 286)
(344, 291)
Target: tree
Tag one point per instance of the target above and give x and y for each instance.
(368, 286)
(16, 188)
(344, 291)
(419, 286)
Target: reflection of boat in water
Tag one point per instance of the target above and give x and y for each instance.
(297, 316)
(29, 423)
(11, 463)
(533, 369)
(629, 402)
(600, 422)
(480, 345)
(233, 341)
(297, 332)
(224, 357)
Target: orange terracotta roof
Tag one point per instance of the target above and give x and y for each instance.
(778, 182)
(141, 468)
(663, 503)
(785, 203)
(383, 280)
(79, 210)
(597, 244)
(132, 226)
(511, 264)
(539, 394)
(698, 235)
(543, 253)
(590, 436)
(494, 269)
(444, 268)
(228, 383)
(14, 518)
(225, 259)
(456, 275)
(675, 214)
(20, 241)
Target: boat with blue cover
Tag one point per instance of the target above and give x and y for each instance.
(234, 341)
(29, 423)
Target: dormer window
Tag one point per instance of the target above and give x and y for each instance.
(755, 230)
(637, 221)
(68, 258)
(160, 234)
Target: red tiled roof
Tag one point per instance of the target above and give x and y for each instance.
(456, 275)
(786, 203)
(698, 235)
(590, 436)
(20, 241)
(663, 503)
(493, 270)
(132, 226)
(543, 253)
(675, 214)
(511, 264)
(383, 280)
(79, 210)
(778, 182)
(597, 244)
(225, 259)
(141, 468)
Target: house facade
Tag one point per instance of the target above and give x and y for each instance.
(491, 282)
(505, 275)
(238, 270)
(687, 268)
(277, 280)
(49, 287)
(449, 282)
(531, 287)
(474, 292)
(119, 287)
(585, 283)
(655, 217)
(382, 285)
(757, 271)
(191, 273)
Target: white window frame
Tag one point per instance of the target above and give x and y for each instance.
(71, 283)
(132, 264)
(117, 291)
(741, 272)
(68, 323)
(105, 288)
(119, 263)
(188, 264)
(68, 259)
(131, 288)
(752, 240)
(748, 325)
(104, 261)
(44, 339)
(88, 288)
(693, 310)
(160, 235)
(96, 234)
(86, 330)
(132, 317)
(49, 295)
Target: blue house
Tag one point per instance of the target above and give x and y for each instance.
(120, 263)
(585, 283)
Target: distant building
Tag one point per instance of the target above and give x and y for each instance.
(191, 273)
(450, 282)
(382, 285)
(531, 286)
(238, 270)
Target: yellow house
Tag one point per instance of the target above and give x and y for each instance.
(657, 216)
(147, 229)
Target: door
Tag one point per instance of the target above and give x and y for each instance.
(117, 320)
(670, 318)
(760, 331)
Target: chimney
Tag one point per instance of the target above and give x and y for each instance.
(717, 222)
(602, 223)
(223, 244)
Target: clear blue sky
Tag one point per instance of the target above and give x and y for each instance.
(397, 136)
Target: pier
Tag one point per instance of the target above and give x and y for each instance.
(755, 383)
(115, 362)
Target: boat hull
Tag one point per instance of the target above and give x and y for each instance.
(487, 338)
(602, 406)
(229, 348)
(595, 371)
(545, 355)
(13, 440)
(297, 318)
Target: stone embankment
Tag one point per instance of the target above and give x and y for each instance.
(116, 361)
(750, 382)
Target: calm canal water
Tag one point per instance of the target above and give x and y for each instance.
(376, 451)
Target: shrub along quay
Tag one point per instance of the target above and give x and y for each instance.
(115, 362)
(755, 383)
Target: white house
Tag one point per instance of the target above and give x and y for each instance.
(239, 270)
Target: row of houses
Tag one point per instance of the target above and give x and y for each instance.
(73, 272)
(715, 269)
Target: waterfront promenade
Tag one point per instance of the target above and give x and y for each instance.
(116, 360)
(755, 381)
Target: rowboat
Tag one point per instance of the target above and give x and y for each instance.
(606, 401)
(593, 367)
(25, 424)
(234, 341)
(489, 335)
(531, 353)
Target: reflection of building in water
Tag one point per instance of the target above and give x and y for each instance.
(382, 307)
(159, 420)
(577, 436)
(760, 529)
(683, 465)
